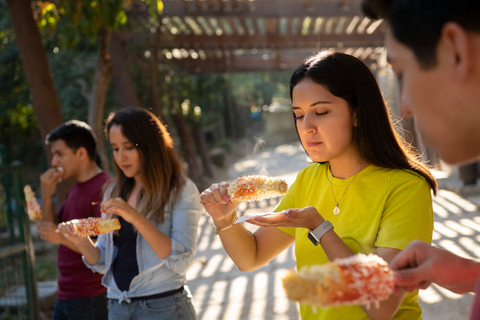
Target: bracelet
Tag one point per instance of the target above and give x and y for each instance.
(235, 217)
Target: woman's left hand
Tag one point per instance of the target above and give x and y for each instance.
(307, 217)
(119, 207)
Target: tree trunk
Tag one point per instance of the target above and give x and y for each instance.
(202, 150)
(36, 68)
(39, 77)
(187, 143)
(121, 78)
(230, 114)
(101, 81)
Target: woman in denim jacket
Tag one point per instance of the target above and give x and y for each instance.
(145, 262)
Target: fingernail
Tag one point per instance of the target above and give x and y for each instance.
(256, 219)
(226, 199)
(287, 213)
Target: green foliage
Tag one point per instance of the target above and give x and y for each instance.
(86, 18)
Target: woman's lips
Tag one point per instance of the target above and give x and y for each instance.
(125, 167)
(312, 144)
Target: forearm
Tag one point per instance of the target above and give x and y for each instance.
(241, 245)
(48, 212)
(386, 309)
(460, 277)
(89, 251)
(160, 242)
(334, 246)
(252, 251)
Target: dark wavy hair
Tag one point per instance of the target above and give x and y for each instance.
(418, 23)
(375, 137)
(162, 172)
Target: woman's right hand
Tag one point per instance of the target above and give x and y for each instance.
(68, 231)
(216, 201)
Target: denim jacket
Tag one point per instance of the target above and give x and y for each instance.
(156, 275)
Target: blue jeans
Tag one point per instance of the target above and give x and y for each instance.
(94, 308)
(175, 307)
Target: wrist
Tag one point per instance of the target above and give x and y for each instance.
(316, 235)
(316, 224)
(47, 198)
(227, 226)
(225, 220)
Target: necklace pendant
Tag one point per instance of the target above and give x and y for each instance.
(336, 210)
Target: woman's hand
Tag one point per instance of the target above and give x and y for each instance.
(67, 230)
(307, 217)
(121, 208)
(216, 201)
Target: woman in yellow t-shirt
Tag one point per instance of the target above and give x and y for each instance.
(365, 180)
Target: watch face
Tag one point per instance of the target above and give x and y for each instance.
(312, 238)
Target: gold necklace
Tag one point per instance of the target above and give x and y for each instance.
(336, 210)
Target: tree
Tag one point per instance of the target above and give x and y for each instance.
(95, 19)
(36, 68)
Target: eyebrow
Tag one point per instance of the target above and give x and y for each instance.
(314, 104)
(126, 142)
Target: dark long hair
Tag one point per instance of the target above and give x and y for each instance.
(377, 141)
(162, 172)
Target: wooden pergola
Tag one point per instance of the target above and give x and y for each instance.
(216, 36)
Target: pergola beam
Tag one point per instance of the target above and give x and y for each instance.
(265, 9)
(262, 41)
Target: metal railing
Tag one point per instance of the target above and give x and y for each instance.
(18, 288)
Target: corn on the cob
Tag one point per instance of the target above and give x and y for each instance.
(356, 280)
(252, 188)
(33, 208)
(94, 226)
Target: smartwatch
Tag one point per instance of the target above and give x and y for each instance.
(316, 234)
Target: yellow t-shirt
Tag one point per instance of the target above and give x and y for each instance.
(381, 208)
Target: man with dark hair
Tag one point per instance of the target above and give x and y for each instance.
(434, 47)
(80, 293)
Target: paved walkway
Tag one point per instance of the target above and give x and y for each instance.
(222, 292)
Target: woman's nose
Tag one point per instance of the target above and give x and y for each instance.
(121, 154)
(308, 125)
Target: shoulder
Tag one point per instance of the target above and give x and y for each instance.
(188, 193)
(189, 187)
(395, 177)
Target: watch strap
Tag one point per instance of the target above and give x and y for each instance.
(316, 234)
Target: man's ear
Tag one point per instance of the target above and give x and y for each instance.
(457, 40)
(82, 153)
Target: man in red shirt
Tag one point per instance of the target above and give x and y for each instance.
(80, 293)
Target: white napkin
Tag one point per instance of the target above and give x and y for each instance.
(254, 215)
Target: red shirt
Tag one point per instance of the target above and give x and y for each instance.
(76, 281)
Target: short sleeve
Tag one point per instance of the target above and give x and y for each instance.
(408, 215)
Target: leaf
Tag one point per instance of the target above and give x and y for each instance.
(160, 6)
(121, 18)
